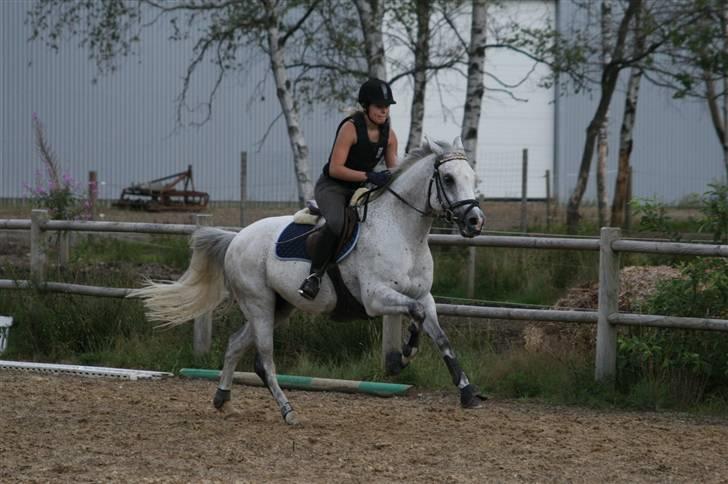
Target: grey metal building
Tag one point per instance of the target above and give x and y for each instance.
(123, 125)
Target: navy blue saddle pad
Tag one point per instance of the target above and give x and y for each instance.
(291, 244)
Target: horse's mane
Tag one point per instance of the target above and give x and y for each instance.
(413, 157)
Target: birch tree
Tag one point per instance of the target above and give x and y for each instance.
(276, 54)
(626, 138)
(713, 98)
(603, 136)
(423, 28)
(111, 30)
(673, 27)
(697, 63)
(371, 14)
(608, 84)
(475, 88)
(421, 59)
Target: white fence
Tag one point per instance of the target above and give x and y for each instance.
(607, 316)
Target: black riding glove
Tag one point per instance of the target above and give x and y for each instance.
(378, 178)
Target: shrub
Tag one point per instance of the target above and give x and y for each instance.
(715, 212)
(57, 192)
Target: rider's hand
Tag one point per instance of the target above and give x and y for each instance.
(378, 178)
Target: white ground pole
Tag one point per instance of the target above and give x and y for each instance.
(86, 371)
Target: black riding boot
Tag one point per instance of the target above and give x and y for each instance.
(323, 252)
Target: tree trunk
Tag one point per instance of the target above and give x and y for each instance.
(621, 187)
(603, 137)
(475, 88)
(302, 165)
(608, 84)
(625, 147)
(724, 20)
(422, 54)
(371, 15)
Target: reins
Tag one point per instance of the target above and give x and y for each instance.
(448, 206)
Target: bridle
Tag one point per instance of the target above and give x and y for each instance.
(448, 206)
(442, 198)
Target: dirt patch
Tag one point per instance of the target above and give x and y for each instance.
(68, 429)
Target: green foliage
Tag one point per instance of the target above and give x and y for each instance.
(678, 368)
(661, 368)
(654, 218)
(715, 212)
(701, 291)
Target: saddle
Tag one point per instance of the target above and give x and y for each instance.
(298, 242)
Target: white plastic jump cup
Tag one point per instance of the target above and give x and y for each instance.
(5, 323)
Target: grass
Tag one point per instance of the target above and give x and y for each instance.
(514, 275)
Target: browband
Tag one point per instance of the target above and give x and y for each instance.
(450, 157)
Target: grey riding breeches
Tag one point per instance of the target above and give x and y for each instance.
(332, 198)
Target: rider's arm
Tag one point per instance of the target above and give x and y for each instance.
(390, 155)
(344, 141)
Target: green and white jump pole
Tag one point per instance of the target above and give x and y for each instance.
(307, 382)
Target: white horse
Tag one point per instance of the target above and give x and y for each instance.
(389, 272)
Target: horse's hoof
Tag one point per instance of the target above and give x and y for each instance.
(221, 396)
(393, 363)
(470, 398)
(291, 418)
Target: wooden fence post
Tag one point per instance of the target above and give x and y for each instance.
(38, 246)
(243, 186)
(628, 203)
(606, 351)
(64, 247)
(202, 331)
(548, 199)
(93, 191)
(524, 192)
(472, 259)
(391, 336)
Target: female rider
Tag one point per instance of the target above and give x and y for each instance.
(362, 140)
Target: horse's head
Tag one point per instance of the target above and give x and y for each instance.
(452, 188)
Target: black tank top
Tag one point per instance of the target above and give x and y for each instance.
(363, 155)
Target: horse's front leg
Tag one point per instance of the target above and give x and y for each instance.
(469, 396)
(388, 301)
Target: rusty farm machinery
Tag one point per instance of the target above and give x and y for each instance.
(164, 194)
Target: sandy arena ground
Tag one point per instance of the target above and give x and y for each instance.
(71, 429)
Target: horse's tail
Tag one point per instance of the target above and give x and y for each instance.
(200, 289)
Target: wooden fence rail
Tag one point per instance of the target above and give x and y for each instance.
(607, 316)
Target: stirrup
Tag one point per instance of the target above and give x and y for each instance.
(310, 286)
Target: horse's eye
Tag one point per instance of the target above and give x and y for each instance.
(448, 179)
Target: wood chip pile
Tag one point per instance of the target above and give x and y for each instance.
(637, 285)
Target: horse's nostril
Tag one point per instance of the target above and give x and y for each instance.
(472, 221)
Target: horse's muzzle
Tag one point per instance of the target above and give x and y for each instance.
(471, 222)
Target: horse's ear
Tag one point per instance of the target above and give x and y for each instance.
(434, 147)
(458, 144)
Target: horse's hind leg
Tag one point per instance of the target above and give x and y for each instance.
(266, 368)
(237, 344)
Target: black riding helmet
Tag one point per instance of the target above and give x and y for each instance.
(375, 91)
